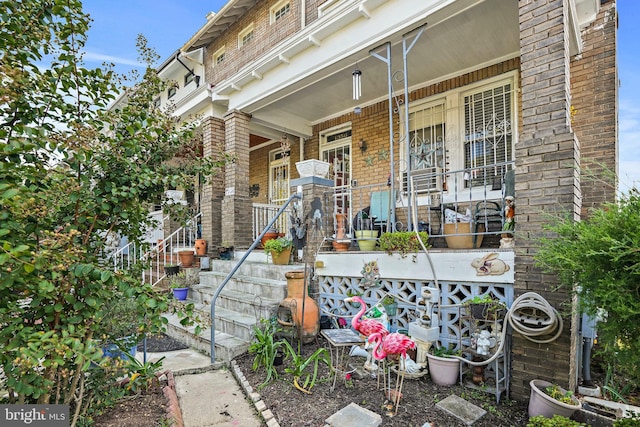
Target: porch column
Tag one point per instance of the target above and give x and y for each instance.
(547, 155)
(213, 190)
(236, 205)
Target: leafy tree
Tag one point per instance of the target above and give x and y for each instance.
(599, 260)
(73, 173)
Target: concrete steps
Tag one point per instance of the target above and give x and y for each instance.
(253, 293)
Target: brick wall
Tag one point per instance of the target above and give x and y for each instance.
(547, 181)
(594, 92)
(213, 189)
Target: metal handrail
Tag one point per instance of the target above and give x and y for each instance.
(297, 195)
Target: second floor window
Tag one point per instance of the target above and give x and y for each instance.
(171, 92)
(245, 36)
(280, 10)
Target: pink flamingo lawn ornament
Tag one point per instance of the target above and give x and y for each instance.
(393, 344)
(366, 327)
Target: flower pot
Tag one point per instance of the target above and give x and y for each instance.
(282, 258)
(444, 371)
(180, 293)
(171, 270)
(201, 247)
(367, 239)
(540, 403)
(269, 235)
(120, 347)
(462, 242)
(186, 258)
(391, 309)
(305, 313)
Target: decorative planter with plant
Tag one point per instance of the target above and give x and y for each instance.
(403, 242)
(366, 236)
(390, 304)
(271, 234)
(484, 307)
(279, 249)
(444, 365)
(179, 286)
(549, 399)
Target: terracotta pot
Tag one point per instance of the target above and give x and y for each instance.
(282, 258)
(269, 235)
(296, 299)
(186, 258)
(201, 247)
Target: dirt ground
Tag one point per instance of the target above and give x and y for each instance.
(294, 408)
(417, 406)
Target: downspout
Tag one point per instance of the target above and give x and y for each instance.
(301, 142)
(303, 14)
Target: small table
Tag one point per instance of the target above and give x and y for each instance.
(339, 340)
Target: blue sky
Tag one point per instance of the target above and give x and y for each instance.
(167, 25)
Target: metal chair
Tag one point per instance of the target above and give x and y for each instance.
(380, 209)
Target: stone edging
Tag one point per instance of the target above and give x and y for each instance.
(174, 415)
(260, 406)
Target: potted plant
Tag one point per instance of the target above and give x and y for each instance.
(549, 399)
(404, 242)
(484, 307)
(279, 249)
(390, 305)
(272, 233)
(118, 327)
(179, 286)
(226, 251)
(366, 237)
(444, 365)
(171, 269)
(186, 257)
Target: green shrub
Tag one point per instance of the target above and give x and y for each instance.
(556, 421)
(404, 242)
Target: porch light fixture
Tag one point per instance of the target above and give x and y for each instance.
(285, 145)
(362, 144)
(357, 110)
(357, 83)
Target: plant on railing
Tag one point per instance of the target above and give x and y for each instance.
(404, 242)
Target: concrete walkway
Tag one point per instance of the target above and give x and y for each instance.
(207, 396)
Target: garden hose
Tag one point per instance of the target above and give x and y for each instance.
(532, 316)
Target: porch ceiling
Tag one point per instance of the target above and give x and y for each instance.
(482, 35)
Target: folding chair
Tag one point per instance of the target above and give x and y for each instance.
(380, 209)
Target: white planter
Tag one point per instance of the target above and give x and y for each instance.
(444, 371)
(313, 167)
(541, 403)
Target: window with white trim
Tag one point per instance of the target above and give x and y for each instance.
(219, 56)
(171, 92)
(245, 36)
(335, 149)
(470, 131)
(278, 176)
(279, 10)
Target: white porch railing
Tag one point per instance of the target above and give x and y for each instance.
(263, 214)
(157, 255)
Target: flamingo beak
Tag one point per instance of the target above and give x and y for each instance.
(349, 299)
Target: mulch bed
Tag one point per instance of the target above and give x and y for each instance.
(161, 343)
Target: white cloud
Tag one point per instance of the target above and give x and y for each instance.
(98, 57)
(629, 175)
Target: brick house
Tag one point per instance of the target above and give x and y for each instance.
(455, 96)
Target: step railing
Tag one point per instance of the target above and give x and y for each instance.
(233, 271)
(164, 252)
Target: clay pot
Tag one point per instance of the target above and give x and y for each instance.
(341, 243)
(201, 247)
(186, 258)
(296, 299)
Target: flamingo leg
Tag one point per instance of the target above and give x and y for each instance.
(399, 384)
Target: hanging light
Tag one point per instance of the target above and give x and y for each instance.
(357, 83)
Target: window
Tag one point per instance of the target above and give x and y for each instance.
(336, 150)
(156, 102)
(278, 177)
(189, 78)
(426, 144)
(279, 10)
(488, 137)
(245, 36)
(462, 139)
(219, 56)
(171, 92)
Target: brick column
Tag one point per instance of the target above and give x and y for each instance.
(213, 189)
(236, 205)
(547, 156)
(594, 87)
